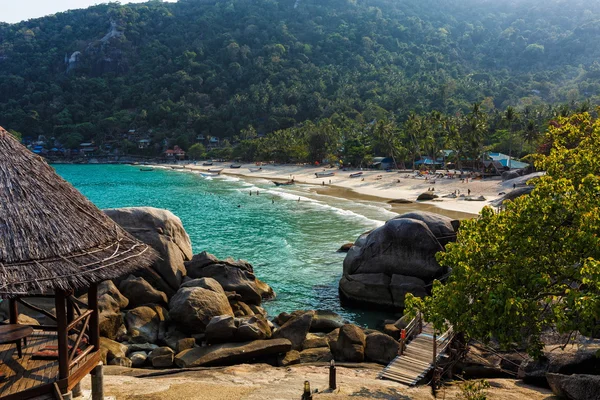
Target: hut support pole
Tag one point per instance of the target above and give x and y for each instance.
(14, 311)
(95, 317)
(61, 322)
(98, 383)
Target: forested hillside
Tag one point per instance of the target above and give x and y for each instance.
(219, 67)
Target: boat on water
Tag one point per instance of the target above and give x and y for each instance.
(323, 174)
(356, 175)
(146, 169)
(177, 166)
(235, 166)
(216, 170)
(288, 183)
(207, 174)
(207, 163)
(255, 169)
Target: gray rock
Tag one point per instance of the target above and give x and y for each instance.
(508, 175)
(232, 353)
(319, 354)
(162, 357)
(138, 359)
(350, 344)
(253, 328)
(220, 329)
(143, 323)
(140, 292)
(233, 276)
(575, 387)
(512, 195)
(381, 348)
(109, 288)
(326, 321)
(292, 357)
(162, 230)
(295, 329)
(427, 196)
(193, 307)
(109, 349)
(572, 360)
(110, 324)
(396, 259)
(121, 361)
(184, 344)
(313, 342)
(141, 347)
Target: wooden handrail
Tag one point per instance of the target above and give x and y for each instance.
(79, 337)
(36, 308)
(77, 320)
(80, 357)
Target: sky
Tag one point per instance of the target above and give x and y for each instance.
(18, 10)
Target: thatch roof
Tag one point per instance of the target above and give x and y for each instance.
(51, 236)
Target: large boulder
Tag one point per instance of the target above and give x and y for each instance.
(575, 387)
(143, 323)
(110, 324)
(234, 276)
(350, 344)
(381, 348)
(508, 175)
(255, 327)
(296, 329)
(109, 350)
(326, 321)
(396, 259)
(108, 288)
(197, 302)
(221, 328)
(232, 353)
(317, 354)
(571, 360)
(140, 292)
(161, 357)
(164, 231)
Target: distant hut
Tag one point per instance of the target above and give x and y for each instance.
(53, 242)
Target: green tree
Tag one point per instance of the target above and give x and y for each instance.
(535, 265)
(196, 151)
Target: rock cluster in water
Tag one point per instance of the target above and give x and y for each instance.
(196, 310)
(395, 259)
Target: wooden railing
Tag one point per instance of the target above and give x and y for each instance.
(412, 329)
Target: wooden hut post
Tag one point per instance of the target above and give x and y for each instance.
(14, 311)
(61, 322)
(95, 317)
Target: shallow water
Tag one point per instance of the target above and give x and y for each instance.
(291, 244)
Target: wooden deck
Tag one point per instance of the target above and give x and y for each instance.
(26, 378)
(417, 360)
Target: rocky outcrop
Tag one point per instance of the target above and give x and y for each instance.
(396, 259)
(143, 323)
(233, 276)
(575, 387)
(427, 196)
(381, 348)
(572, 360)
(162, 230)
(296, 329)
(508, 175)
(109, 350)
(162, 357)
(197, 302)
(350, 344)
(318, 354)
(140, 292)
(232, 353)
(326, 321)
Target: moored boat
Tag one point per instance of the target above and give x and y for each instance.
(255, 169)
(288, 183)
(216, 170)
(207, 174)
(235, 166)
(207, 163)
(323, 174)
(146, 169)
(177, 166)
(356, 175)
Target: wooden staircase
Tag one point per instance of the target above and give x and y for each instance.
(420, 351)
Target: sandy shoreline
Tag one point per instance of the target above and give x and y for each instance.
(377, 186)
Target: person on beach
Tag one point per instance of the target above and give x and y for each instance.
(323, 183)
(298, 199)
(514, 186)
(469, 192)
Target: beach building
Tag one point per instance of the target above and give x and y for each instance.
(383, 163)
(507, 162)
(144, 143)
(55, 246)
(176, 153)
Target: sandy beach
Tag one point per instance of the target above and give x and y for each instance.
(261, 381)
(377, 185)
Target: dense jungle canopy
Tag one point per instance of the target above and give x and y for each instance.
(226, 68)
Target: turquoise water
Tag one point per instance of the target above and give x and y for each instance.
(292, 245)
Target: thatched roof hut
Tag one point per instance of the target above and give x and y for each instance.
(51, 236)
